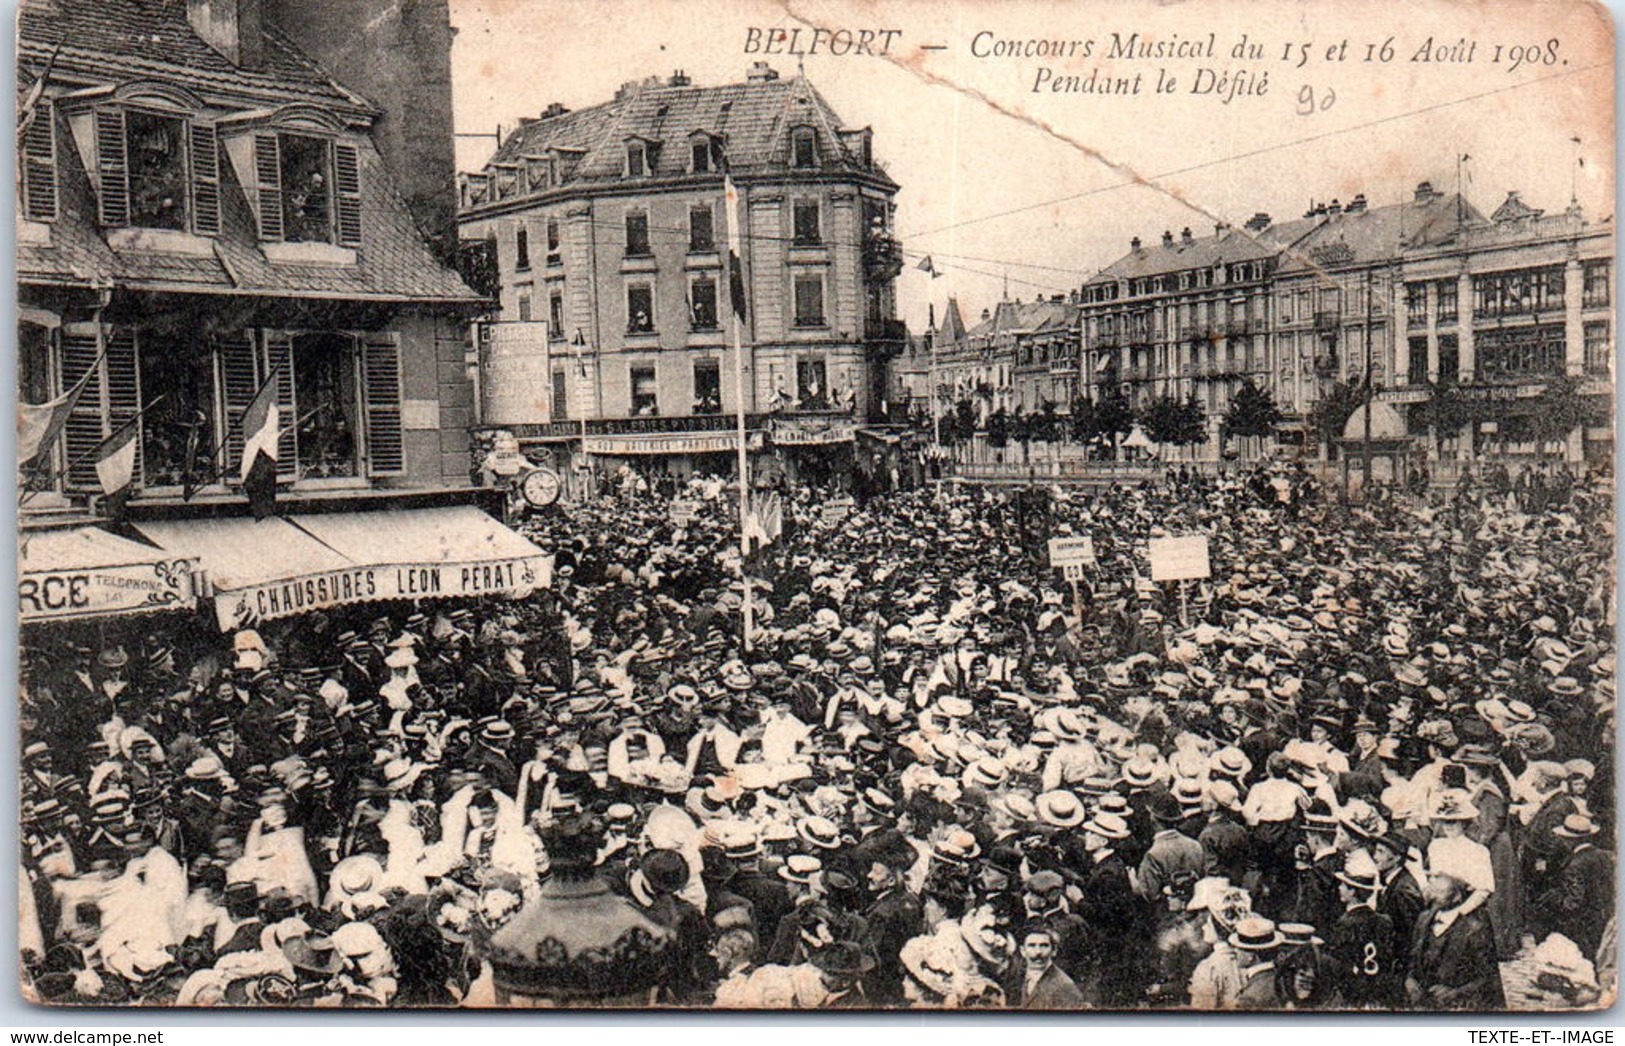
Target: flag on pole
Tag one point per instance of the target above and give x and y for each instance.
(38, 425)
(926, 265)
(115, 466)
(736, 274)
(261, 432)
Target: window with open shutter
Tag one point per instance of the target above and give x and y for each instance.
(239, 379)
(268, 187)
(279, 361)
(381, 382)
(205, 151)
(85, 429)
(39, 164)
(123, 374)
(112, 168)
(347, 180)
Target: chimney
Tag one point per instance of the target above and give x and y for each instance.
(679, 79)
(554, 109)
(1167, 238)
(1134, 244)
(235, 28)
(1072, 296)
(1258, 222)
(761, 72)
(1185, 235)
(1334, 208)
(984, 314)
(1424, 192)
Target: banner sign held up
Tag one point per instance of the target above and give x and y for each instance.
(1065, 552)
(1180, 559)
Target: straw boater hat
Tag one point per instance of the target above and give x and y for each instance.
(1060, 809)
(1255, 934)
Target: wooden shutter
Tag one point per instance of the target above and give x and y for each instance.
(205, 180)
(268, 185)
(112, 167)
(123, 373)
(239, 379)
(381, 399)
(279, 361)
(347, 194)
(39, 164)
(85, 428)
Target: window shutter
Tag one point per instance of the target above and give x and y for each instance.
(123, 388)
(39, 164)
(112, 167)
(279, 361)
(84, 429)
(205, 180)
(347, 183)
(268, 181)
(239, 380)
(381, 384)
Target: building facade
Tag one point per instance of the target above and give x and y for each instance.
(202, 212)
(611, 231)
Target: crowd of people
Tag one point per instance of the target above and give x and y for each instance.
(1367, 763)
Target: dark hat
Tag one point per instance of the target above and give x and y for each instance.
(842, 959)
(666, 871)
(1165, 809)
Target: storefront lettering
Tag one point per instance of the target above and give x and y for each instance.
(54, 592)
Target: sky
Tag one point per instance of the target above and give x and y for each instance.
(1005, 186)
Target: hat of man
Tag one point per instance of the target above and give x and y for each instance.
(666, 871)
(800, 868)
(842, 959)
(1060, 808)
(986, 773)
(205, 768)
(1576, 826)
(1108, 826)
(957, 846)
(819, 832)
(1296, 935)
(1359, 871)
(1255, 934)
(1166, 810)
(498, 732)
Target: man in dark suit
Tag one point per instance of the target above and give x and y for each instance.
(769, 897)
(1115, 917)
(1453, 965)
(1580, 900)
(1044, 985)
(1401, 897)
(1361, 943)
(892, 919)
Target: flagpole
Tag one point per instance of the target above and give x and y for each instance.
(731, 198)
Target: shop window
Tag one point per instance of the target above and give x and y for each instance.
(645, 393)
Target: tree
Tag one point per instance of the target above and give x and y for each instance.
(1160, 419)
(998, 429)
(1084, 423)
(1332, 411)
(1252, 412)
(1560, 409)
(1113, 414)
(1044, 424)
(1192, 428)
(965, 420)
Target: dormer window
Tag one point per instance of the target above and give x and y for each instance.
(639, 161)
(307, 189)
(705, 153)
(156, 170)
(803, 147)
(539, 174)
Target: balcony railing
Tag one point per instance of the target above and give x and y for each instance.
(882, 258)
(885, 330)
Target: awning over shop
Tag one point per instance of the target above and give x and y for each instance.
(86, 572)
(273, 568)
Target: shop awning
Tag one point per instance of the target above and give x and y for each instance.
(273, 568)
(86, 572)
